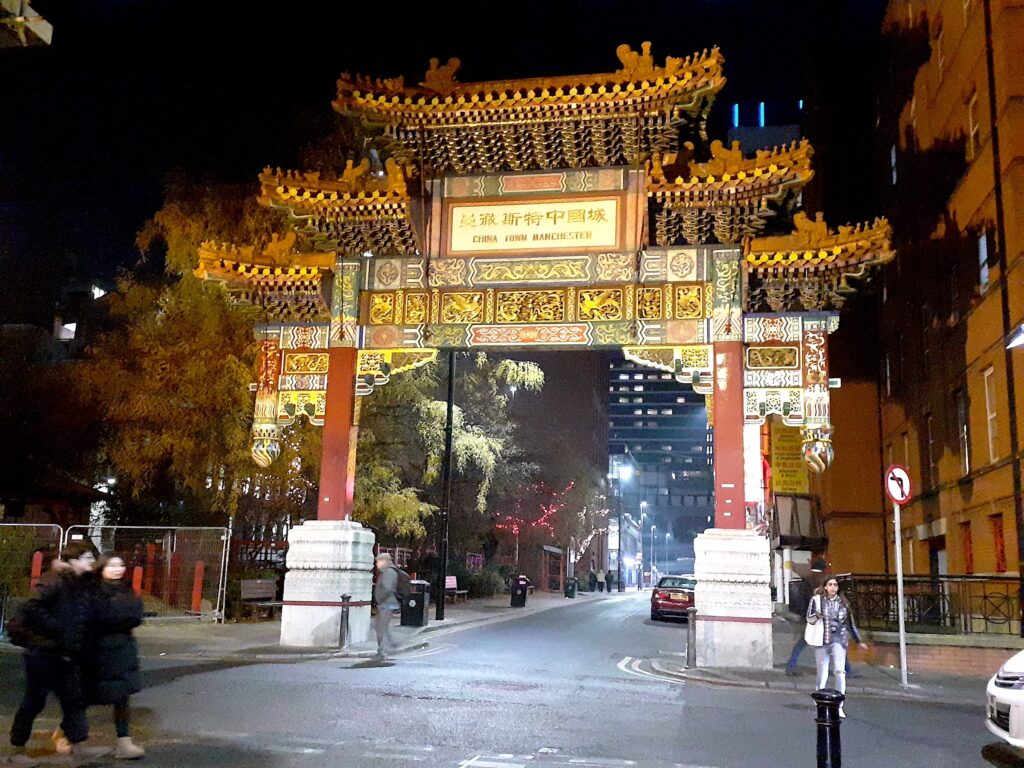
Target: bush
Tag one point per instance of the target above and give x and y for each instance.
(487, 583)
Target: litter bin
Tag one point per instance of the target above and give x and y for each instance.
(570, 587)
(416, 607)
(519, 589)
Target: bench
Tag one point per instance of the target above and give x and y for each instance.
(259, 594)
(452, 591)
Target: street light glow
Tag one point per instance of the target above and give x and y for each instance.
(625, 473)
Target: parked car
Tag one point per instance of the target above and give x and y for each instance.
(672, 596)
(1005, 711)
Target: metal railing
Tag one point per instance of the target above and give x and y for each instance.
(26, 550)
(180, 572)
(937, 604)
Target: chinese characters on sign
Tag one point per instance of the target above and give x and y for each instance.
(789, 472)
(578, 224)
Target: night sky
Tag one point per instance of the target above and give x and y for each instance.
(133, 90)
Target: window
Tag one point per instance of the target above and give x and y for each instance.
(638, 388)
(963, 431)
(638, 376)
(680, 399)
(995, 523)
(892, 163)
(666, 411)
(983, 275)
(638, 412)
(905, 437)
(623, 377)
(967, 547)
(933, 473)
(940, 52)
(973, 127)
(991, 424)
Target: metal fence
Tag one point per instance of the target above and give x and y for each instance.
(940, 604)
(180, 572)
(25, 553)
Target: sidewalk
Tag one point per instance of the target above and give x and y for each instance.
(258, 641)
(869, 680)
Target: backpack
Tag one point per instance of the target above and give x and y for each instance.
(404, 586)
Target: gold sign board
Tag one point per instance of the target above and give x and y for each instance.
(581, 224)
(789, 472)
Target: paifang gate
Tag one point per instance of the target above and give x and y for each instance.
(564, 212)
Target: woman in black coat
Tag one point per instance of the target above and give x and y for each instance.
(113, 672)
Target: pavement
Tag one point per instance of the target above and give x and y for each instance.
(566, 683)
(868, 680)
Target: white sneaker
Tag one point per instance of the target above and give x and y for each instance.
(128, 749)
(842, 712)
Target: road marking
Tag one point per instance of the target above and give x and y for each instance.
(432, 651)
(281, 749)
(482, 761)
(632, 666)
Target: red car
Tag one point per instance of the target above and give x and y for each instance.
(672, 596)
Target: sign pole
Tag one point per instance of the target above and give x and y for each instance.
(899, 489)
(898, 536)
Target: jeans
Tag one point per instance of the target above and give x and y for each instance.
(382, 624)
(122, 717)
(44, 674)
(835, 653)
(798, 648)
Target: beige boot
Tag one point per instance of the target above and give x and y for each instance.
(61, 743)
(128, 749)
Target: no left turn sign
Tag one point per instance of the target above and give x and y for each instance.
(897, 484)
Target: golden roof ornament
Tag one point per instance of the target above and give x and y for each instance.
(640, 66)
(441, 78)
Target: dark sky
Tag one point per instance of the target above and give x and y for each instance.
(132, 90)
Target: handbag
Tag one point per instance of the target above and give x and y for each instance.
(814, 634)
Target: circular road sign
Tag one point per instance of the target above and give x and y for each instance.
(897, 484)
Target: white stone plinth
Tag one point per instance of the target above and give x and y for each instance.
(326, 559)
(733, 599)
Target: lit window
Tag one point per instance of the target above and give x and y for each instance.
(666, 411)
(638, 376)
(892, 162)
(666, 447)
(983, 274)
(638, 388)
(637, 400)
(624, 400)
(638, 423)
(680, 399)
(973, 127)
(623, 377)
(638, 412)
(652, 411)
(989, 376)
(963, 432)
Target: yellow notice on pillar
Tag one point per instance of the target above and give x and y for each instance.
(789, 472)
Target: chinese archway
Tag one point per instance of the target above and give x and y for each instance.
(555, 213)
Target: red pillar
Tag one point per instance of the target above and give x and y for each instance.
(728, 435)
(197, 587)
(37, 568)
(338, 459)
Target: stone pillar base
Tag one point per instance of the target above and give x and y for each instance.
(326, 559)
(733, 598)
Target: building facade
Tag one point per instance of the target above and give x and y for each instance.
(951, 130)
(660, 454)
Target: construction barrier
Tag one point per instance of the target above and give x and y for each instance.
(180, 572)
(26, 550)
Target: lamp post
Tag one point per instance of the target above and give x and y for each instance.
(667, 537)
(653, 526)
(643, 516)
(446, 489)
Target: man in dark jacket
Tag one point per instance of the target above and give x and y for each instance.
(52, 629)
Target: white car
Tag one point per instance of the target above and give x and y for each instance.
(1005, 715)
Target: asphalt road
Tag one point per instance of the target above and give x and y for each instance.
(549, 689)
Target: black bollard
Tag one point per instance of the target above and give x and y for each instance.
(691, 638)
(343, 628)
(830, 748)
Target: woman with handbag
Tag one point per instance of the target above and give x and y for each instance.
(829, 627)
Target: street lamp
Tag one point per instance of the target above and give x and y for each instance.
(643, 516)
(667, 537)
(653, 526)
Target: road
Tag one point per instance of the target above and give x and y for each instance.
(554, 688)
